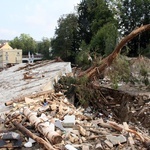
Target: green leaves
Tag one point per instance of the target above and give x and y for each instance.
(65, 41)
(24, 42)
(135, 13)
(105, 39)
(43, 47)
(97, 26)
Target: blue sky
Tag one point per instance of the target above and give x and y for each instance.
(38, 18)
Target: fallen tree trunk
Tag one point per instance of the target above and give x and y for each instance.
(46, 129)
(95, 71)
(24, 130)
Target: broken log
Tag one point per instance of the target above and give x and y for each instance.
(110, 124)
(95, 70)
(43, 127)
(118, 127)
(22, 98)
(24, 130)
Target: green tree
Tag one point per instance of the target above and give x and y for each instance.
(84, 22)
(24, 42)
(65, 42)
(133, 14)
(97, 26)
(82, 56)
(104, 41)
(43, 47)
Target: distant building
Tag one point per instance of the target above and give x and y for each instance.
(9, 56)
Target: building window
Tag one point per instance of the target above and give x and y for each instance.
(6, 55)
(16, 60)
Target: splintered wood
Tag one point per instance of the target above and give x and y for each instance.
(56, 124)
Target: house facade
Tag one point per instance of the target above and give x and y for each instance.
(9, 56)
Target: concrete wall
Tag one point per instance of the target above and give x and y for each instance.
(12, 56)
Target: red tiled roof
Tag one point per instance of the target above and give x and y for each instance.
(2, 45)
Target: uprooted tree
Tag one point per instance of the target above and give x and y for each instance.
(82, 91)
(97, 70)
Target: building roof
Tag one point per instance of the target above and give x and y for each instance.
(5, 46)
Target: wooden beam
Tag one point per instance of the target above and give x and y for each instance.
(24, 130)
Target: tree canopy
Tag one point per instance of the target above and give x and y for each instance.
(65, 41)
(95, 29)
(133, 14)
(24, 42)
(94, 25)
(43, 47)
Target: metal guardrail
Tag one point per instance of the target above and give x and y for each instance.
(36, 57)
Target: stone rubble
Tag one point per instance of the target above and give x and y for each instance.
(80, 129)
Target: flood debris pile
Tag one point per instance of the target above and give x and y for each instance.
(123, 103)
(50, 121)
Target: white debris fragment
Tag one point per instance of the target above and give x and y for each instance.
(70, 147)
